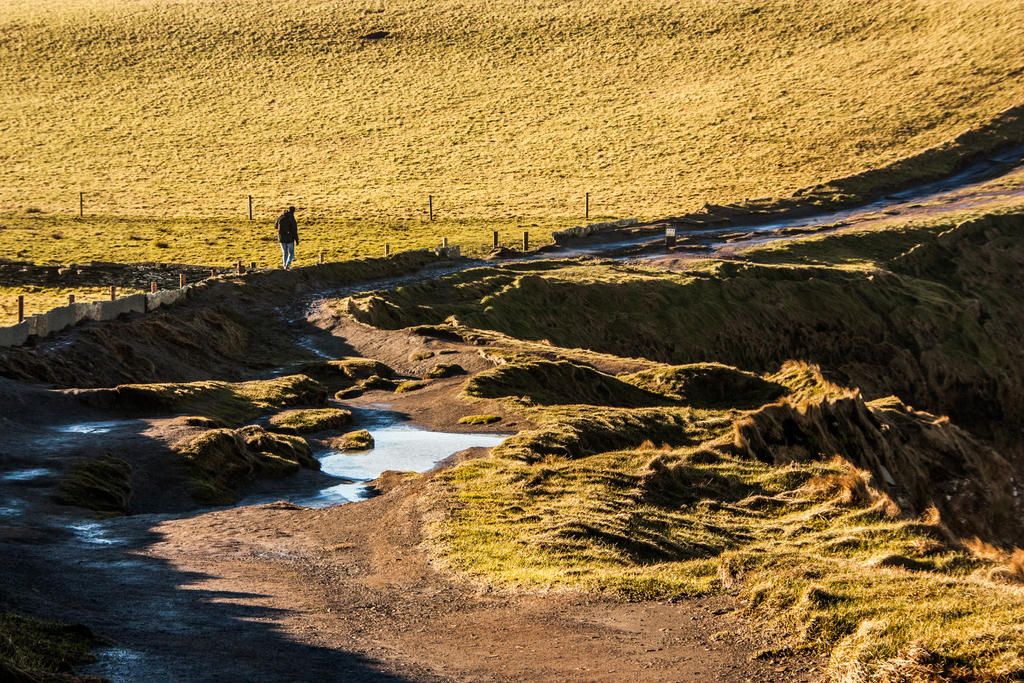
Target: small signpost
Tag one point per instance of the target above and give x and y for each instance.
(670, 237)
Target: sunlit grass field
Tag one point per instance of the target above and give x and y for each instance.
(172, 114)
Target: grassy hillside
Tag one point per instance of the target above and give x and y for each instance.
(499, 109)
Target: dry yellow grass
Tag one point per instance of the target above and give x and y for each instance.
(499, 109)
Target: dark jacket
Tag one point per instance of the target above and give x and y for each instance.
(287, 228)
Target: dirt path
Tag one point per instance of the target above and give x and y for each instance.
(286, 593)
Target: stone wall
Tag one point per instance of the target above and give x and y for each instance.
(586, 230)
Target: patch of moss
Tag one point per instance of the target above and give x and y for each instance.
(221, 461)
(409, 385)
(306, 421)
(444, 370)
(198, 421)
(421, 355)
(102, 485)
(478, 419)
(37, 650)
(359, 440)
(229, 403)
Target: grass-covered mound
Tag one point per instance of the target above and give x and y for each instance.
(442, 370)
(345, 372)
(359, 440)
(307, 421)
(219, 462)
(36, 650)
(559, 382)
(940, 332)
(917, 459)
(229, 403)
(769, 504)
(580, 430)
(707, 385)
(479, 419)
(102, 485)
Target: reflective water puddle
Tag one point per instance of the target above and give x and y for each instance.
(397, 447)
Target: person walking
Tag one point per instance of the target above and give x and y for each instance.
(287, 235)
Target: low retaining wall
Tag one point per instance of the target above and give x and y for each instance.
(593, 228)
(14, 335)
(448, 252)
(63, 317)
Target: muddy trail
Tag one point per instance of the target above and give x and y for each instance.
(291, 582)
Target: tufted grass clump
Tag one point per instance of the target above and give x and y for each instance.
(479, 419)
(309, 420)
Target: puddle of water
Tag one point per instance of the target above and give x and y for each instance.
(116, 663)
(95, 533)
(25, 475)
(11, 508)
(91, 427)
(398, 447)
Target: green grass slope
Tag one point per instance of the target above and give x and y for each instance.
(499, 109)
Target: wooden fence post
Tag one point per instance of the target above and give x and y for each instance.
(586, 210)
(250, 207)
(181, 280)
(430, 204)
(387, 250)
(494, 240)
(71, 299)
(252, 266)
(152, 287)
(444, 242)
(81, 204)
(321, 257)
(113, 293)
(21, 308)
(239, 269)
(526, 240)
